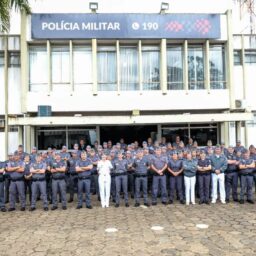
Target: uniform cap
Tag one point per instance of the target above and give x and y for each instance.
(217, 146)
(34, 148)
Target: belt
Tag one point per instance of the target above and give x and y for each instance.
(120, 174)
(58, 178)
(204, 174)
(19, 179)
(140, 175)
(38, 179)
(155, 174)
(230, 171)
(73, 174)
(84, 178)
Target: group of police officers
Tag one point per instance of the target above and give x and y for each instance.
(167, 170)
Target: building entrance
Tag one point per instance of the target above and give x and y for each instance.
(128, 133)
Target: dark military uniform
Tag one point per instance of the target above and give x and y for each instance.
(59, 183)
(141, 179)
(84, 183)
(120, 169)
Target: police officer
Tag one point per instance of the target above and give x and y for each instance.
(33, 154)
(27, 176)
(231, 175)
(175, 169)
(73, 177)
(2, 199)
(94, 176)
(159, 165)
(219, 165)
(16, 170)
(130, 161)
(239, 147)
(83, 168)
(38, 170)
(246, 167)
(120, 168)
(204, 177)
(7, 179)
(189, 170)
(58, 170)
(141, 166)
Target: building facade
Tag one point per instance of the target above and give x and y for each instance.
(127, 71)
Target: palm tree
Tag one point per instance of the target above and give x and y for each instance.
(5, 10)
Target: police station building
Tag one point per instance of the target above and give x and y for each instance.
(127, 69)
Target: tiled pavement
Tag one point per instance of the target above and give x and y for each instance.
(231, 231)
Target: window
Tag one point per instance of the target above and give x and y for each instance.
(129, 69)
(237, 57)
(38, 68)
(107, 68)
(174, 68)
(195, 67)
(82, 65)
(250, 56)
(1, 59)
(14, 59)
(151, 67)
(60, 65)
(217, 67)
(56, 137)
(2, 43)
(13, 43)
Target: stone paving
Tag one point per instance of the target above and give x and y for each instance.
(231, 231)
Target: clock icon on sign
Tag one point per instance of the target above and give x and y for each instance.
(135, 25)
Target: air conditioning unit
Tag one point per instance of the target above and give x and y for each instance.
(240, 104)
(44, 111)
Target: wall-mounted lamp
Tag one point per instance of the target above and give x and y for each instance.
(164, 7)
(93, 6)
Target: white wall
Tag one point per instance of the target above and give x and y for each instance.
(14, 91)
(132, 6)
(128, 101)
(2, 98)
(238, 82)
(250, 71)
(2, 146)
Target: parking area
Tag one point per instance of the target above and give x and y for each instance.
(227, 230)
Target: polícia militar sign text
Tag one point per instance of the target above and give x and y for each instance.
(82, 26)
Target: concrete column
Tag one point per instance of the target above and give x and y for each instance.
(185, 60)
(230, 60)
(246, 137)
(49, 59)
(6, 126)
(98, 133)
(27, 138)
(140, 66)
(71, 65)
(243, 68)
(159, 132)
(207, 66)
(20, 135)
(32, 136)
(224, 133)
(118, 66)
(24, 62)
(94, 67)
(238, 130)
(163, 67)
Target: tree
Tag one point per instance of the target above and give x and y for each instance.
(5, 11)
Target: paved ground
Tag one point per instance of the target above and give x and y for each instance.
(232, 231)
